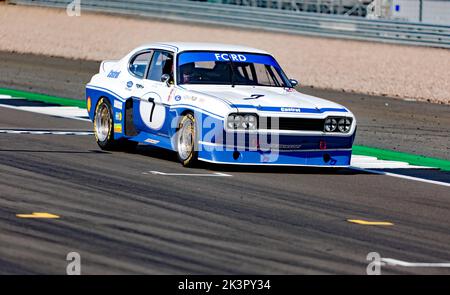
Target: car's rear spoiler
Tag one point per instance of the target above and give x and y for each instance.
(106, 65)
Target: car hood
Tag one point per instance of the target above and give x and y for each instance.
(244, 97)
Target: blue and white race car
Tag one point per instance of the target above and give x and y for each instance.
(216, 103)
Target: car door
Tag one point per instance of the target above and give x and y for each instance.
(154, 93)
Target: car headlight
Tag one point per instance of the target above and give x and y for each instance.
(337, 124)
(330, 124)
(249, 122)
(234, 121)
(242, 121)
(344, 125)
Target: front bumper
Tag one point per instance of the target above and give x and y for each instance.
(323, 158)
(287, 150)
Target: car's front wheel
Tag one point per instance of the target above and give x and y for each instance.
(187, 141)
(104, 129)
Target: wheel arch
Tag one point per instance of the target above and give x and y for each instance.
(179, 114)
(92, 101)
(185, 112)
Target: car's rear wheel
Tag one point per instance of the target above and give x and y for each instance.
(187, 141)
(104, 129)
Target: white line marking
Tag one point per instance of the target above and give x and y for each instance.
(367, 162)
(2, 96)
(401, 176)
(395, 262)
(63, 112)
(46, 132)
(216, 174)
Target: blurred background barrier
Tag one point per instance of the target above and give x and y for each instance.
(427, 11)
(413, 22)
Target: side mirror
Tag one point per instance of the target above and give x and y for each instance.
(293, 82)
(165, 78)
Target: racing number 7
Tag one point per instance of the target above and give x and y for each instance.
(152, 101)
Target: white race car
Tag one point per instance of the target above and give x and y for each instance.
(216, 103)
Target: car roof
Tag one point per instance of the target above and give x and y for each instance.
(193, 46)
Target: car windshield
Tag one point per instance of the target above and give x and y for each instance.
(230, 69)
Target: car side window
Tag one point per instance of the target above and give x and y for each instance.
(139, 63)
(162, 63)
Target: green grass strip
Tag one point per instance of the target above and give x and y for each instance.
(357, 149)
(44, 98)
(403, 157)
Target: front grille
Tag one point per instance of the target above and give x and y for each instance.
(295, 124)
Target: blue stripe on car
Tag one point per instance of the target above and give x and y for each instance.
(291, 109)
(188, 57)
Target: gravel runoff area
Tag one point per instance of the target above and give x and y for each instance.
(407, 72)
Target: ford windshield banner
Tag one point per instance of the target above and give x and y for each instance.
(189, 57)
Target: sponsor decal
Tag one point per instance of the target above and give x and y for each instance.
(118, 104)
(88, 104)
(114, 74)
(190, 97)
(171, 94)
(188, 57)
(291, 110)
(230, 56)
(130, 84)
(178, 97)
(118, 128)
(118, 116)
(152, 141)
(281, 147)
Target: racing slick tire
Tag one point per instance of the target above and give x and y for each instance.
(104, 129)
(186, 141)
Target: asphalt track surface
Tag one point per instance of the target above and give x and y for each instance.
(123, 219)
